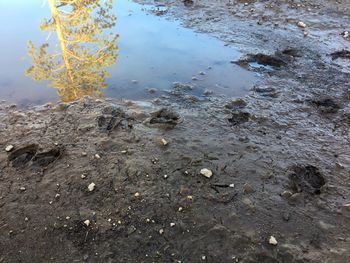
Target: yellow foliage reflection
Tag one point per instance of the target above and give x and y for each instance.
(87, 48)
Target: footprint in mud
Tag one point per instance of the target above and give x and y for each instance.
(22, 156)
(326, 105)
(267, 92)
(307, 179)
(165, 118)
(111, 118)
(45, 158)
(277, 60)
(29, 153)
(344, 54)
(238, 118)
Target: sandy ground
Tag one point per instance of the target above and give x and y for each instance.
(115, 181)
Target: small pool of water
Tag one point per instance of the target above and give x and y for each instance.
(153, 53)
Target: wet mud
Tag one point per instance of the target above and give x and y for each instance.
(121, 181)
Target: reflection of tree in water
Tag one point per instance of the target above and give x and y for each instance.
(86, 49)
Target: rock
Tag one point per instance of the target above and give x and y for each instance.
(207, 92)
(202, 73)
(91, 187)
(206, 172)
(231, 185)
(286, 194)
(161, 231)
(164, 142)
(286, 216)
(97, 156)
(84, 154)
(345, 209)
(248, 189)
(9, 148)
(87, 222)
(345, 34)
(22, 188)
(301, 24)
(248, 203)
(273, 241)
(172, 224)
(137, 194)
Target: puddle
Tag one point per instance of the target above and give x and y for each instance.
(153, 53)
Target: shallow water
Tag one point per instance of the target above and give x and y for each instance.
(153, 53)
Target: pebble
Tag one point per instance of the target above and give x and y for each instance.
(83, 176)
(248, 189)
(97, 156)
(22, 188)
(232, 185)
(286, 194)
(273, 241)
(202, 73)
(9, 148)
(91, 187)
(172, 224)
(164, 142)
(87, 222)
(84, 154)
(180, 209)
(137, 194)
(165, 176)
(206, 172)
(301, 24)
(161, 231)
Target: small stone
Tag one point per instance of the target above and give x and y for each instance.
(57, 195)
(87, 222)
(137, 194)
(206, 172)
(83, 176)
(124, 152)
(202, 73)
(273, 241)
(248, 203)
(194, 78)
(345, 210)
(9, 148)
(204, 257)
(161, 231)
(165, 176)
(301, 24)
(164, 142)
(97, 156)
(67, 217)
(22, 188)
(91, 187)
(306, 34)
(286, 194)
(26, 219)
(172, 224)
(248, 189)
(231, 185)
(180, 209)
(84, 154)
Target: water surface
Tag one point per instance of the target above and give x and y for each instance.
(153, 53)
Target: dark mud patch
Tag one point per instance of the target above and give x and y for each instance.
(23, 155)
(307, 179)
(44, 159)
(165, 118)
(238, 118)
(238, 104)
(343, 54)
(326, 105)
(266, 92)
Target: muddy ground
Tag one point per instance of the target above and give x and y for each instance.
(116, 181)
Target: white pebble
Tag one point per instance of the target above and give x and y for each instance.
(9, 148)
(164, 142)
(97, 156)
(87, 222)
(161, 231)
(91, 187)
(172, 224)
(301, 24)
(272, 241)
(206, 172)
(232, 185)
